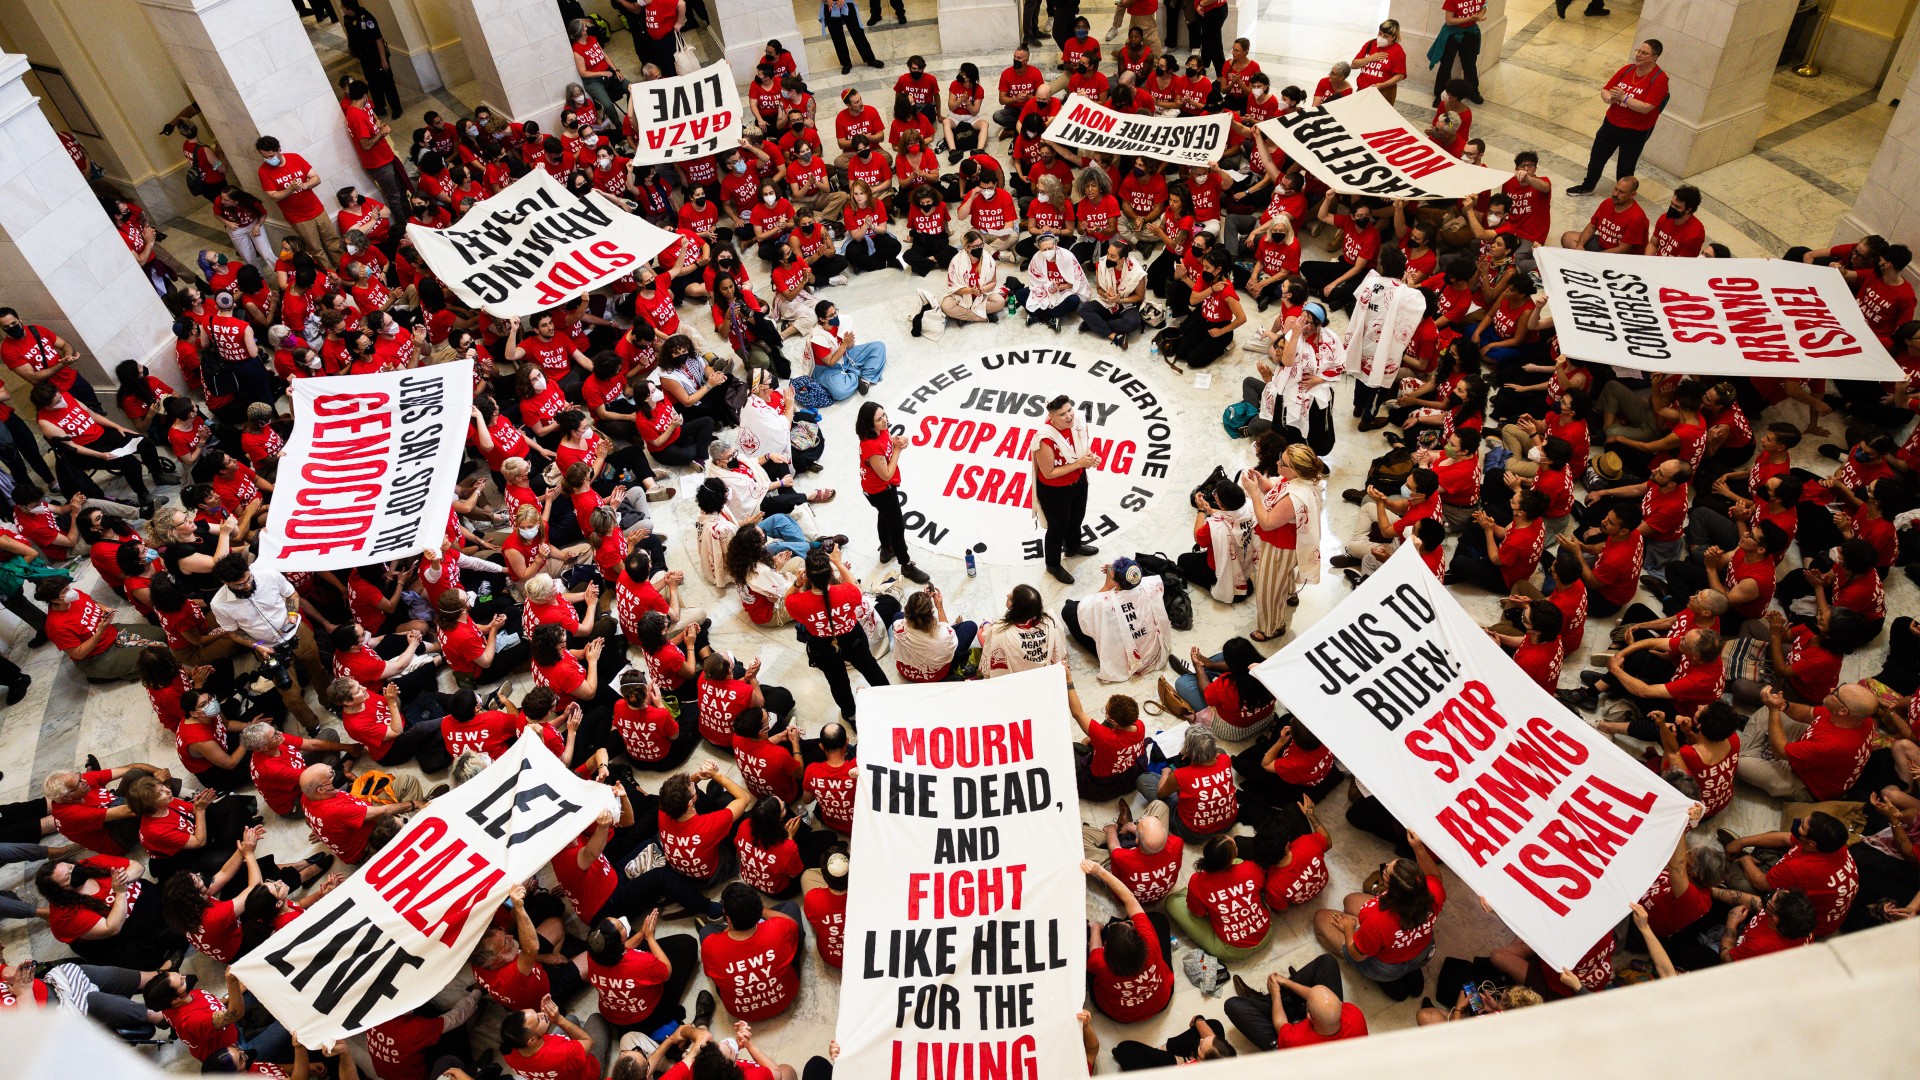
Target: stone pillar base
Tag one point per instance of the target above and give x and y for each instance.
(1684, 148)
(743, 28)
(971, 26)
(1719, 61)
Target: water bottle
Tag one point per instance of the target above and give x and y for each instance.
(1153, 349)
(486, 589)
(972, 570)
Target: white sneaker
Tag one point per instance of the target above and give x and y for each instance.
(837, 279)
(650, 857)
(1112, 32)
(506, 641)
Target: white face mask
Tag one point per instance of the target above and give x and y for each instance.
(211, 708)
(1537, 454)
(1495, 219)
(529, 532)
(1383, 39)
(539, 384)
(769, 198)
(1043, 197)
(71, 596)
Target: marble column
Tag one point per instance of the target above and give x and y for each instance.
(971, 26)
(743, 28)
(520, 55)
(1889, 202)
(1420, 23)
(253, 72)
(62, 263)
(1719, 59)
(410, 45)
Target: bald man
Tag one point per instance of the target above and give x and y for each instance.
(343, 821)
(1299, 1009)
(1143, 854)
(1808, 752)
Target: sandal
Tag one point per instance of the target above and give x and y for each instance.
(1260, 637)
(823, 495)
(661, 493)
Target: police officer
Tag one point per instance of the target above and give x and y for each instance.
(368, 46)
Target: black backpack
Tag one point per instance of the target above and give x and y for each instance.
(1174, 595)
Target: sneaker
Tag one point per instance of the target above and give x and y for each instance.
(649, 858)
(661, 493)
(1591, 679)
(886, 554)
(703, 1007)
(1180, 667)
(1832, 452)
(839, 279)
(19, 688)
(1356, 496)
(1344, 562)
(1354, 578)
(865, 388)
(1602, 660)
(1060, 574)
(1580, 189)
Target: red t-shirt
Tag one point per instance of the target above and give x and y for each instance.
(399, 1046)
(632, 988)
(767, 768)
(1150, 876)
(877, 447)
(1382, 936)
(1131, 1000)
(721, 700)
(833, 787)
(1302, 878)
(838, 613)
(1827, 757)
(85, 822)
(168, 833)
(647, 732)
(587, 890)
(1613, 227)
(692, 846)
(511, 989)
(758, 978)
(300, 206)
(1618, 569)
(1760, 936)
(1115, 750)
(556, 1058)
(340, 821)
(769, 869)
(1651, 88)
(277, 776)
(1208, 801)
(193, 1023)
(826, 912)
(1678, 241)
(1829, 879)
(69, 628)
(1230, 901)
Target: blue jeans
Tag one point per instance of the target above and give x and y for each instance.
(785, 534)
(271, 1043)
(867, 360)
(1188, 686)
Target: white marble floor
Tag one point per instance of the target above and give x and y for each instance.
(1540, 98)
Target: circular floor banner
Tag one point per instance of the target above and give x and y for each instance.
(969, 481)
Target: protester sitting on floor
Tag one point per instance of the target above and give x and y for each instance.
(1386, 931)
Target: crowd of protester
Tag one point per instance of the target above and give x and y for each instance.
(1726, 584)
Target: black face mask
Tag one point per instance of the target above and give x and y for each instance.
(241, 591)
(191, 981)
(1675, 214)
(682, 357)
(16, 331)
(1019, 63)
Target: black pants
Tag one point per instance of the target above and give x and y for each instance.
(1210, 29)
(1132, 1056)
(899, 9)
(1070, 618)
(832, 656)
(1253, 1014)
(1609, 138)
(382, 92)
(927, 253)
(892, 525)
(1321, 275)
(696, 434)
(838, 29)
(1193, 567)
(886, 248)
(1198, 344)
(420, 743)
(683, 956)
(1065, 507)
(1369, 815)
(1465, 46)
(23, 452)
(650, 51)
(74, 468)
(20, 821)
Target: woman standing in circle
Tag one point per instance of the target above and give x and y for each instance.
(1286, 511)
(880, 452)
(1061, 457)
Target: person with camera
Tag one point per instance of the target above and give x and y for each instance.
(259, 610)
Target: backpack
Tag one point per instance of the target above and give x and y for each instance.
(373, 786)
(1237, 416)
(1174, 595)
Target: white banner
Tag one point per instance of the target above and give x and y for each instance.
(405, 926)
(687, 116)
(966, 912)
(1554, 825)
(1361, 145)
(972, 426)
(1767, 317)
(535, 246)
(1183, 140)
(369, 468)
